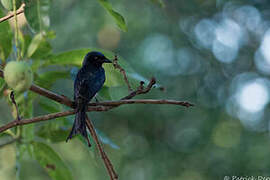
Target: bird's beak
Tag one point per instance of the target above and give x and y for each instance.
(107, 61)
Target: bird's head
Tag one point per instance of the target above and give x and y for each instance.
(95, 58)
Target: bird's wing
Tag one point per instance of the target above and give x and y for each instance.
(87, 87)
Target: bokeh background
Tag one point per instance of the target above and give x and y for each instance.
(213, 53)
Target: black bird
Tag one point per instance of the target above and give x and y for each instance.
(88, 82)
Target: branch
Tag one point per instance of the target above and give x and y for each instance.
(102, 153)
(35, 119)
(141, 89)
(19, 11)
(141, 101)
(117, 66)
(101, 106)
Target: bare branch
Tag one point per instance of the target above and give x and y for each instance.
(141, 89)
(35, 119)
(19, 11)
(117, 66)
(141, 101)
(49, 94)
(102, 153)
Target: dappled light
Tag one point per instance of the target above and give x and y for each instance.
(186, 97)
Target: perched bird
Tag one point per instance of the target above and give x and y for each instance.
(89, 80)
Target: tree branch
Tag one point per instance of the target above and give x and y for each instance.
(141, 101)
(100, 106)
(102, 153)
(36, 119)
(19, 11)
(117, 66)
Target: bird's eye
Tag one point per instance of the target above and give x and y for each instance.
(95, 57)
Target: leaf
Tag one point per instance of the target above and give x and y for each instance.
(158, 2)
(25, 41)
(75, 58)
(2, 87)
(5, 39)
(54, 136)
(118, 18)
(47, 79)
(51, 162)
(37, 14)
(26, 108)
(104, 94)
(39, 47)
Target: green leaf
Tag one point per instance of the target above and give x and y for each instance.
(26, 108)
(47, 79)
(51, 106)
(5, 39)
(118, 18)
(25, 41)
(8, 4)
(51, 162)
(75, 58)
(39, 47)
(2, 87)
(37, 14)
(104, 94)
(158, 2)
(54, 136)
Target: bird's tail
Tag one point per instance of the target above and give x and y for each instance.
(79, 125)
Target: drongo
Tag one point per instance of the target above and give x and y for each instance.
(89, 80)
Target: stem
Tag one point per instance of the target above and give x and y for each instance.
(7, 17)
(16, 30)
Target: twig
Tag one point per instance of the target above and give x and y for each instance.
(141, 89)
(117, 66)
(103, 155)
(99, 106)
(141, 101)
(19, 11)
(36, 119)
(49, 94)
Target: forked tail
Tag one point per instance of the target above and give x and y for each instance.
(79, 125)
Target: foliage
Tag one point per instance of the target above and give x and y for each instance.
(34, 47)
(205, 52)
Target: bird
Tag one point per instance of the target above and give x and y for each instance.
(89, 80)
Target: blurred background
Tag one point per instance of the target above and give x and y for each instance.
(213, 53)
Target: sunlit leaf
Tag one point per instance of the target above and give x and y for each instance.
(39, 47)
(75, 58)
(51, 162)
(5, 39)
(118, 18)
(37, 14)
